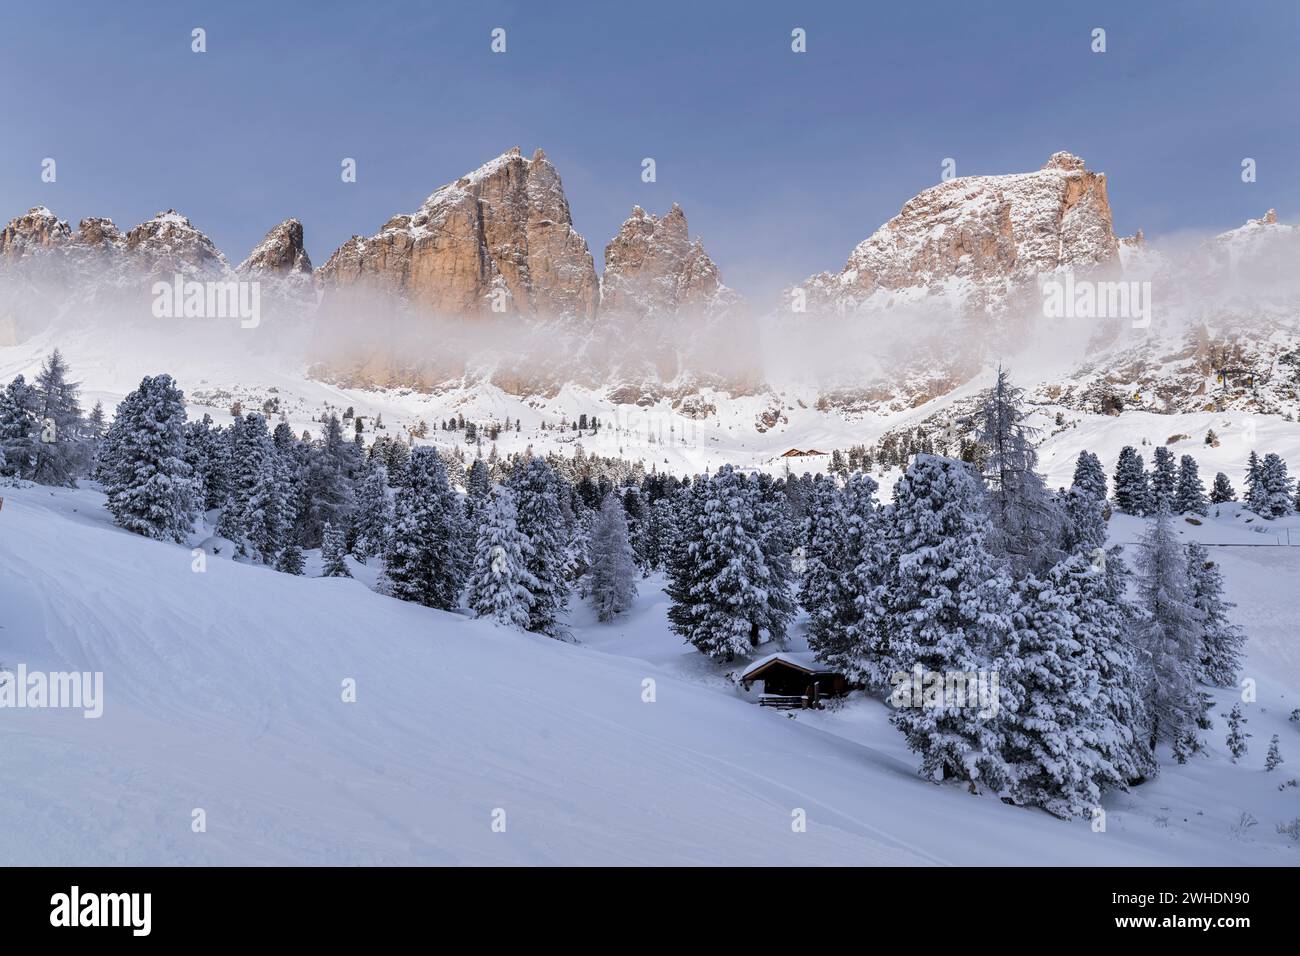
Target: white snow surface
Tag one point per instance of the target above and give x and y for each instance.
(223, 691)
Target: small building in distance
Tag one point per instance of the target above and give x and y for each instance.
(793, 679)
(796, 453)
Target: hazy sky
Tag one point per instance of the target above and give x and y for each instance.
(781, 161)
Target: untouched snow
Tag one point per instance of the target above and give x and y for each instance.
(223, 692)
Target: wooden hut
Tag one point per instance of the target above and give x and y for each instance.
(793, 680)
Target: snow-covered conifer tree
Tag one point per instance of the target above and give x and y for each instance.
(425, 560)
(540, 520)
(1222, 490)
(326, 488)
(1051, 744)
(1132, 484)
(1237, 735)
(776, 537)
(1274, 757)
(721, 592)
(1164, 480)
(1256, 496)
(150, 487)
(478, 486)
(948, 611)
(231, 524)
(613, 573)
(334, 553)
(1084, 528)
(1023, 515)
(1189, 496)
(204, 452)
(18, 431)
(822, 584)
(1089, 476)
(1221, 640)
(291, 559)
(267, 515)
(1275, 490)
(374, 513)
(868, 546)
(60, 453)
(1170, 633)
(499, 582)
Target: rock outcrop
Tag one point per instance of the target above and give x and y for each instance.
(978, 238)
(653, 268)
(168, 244)
(280, 253)
(500, 240)
(36, 231)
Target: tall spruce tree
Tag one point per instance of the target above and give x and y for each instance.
(1221, 640)
(291, 560)
(1089, 476)
(541, 521)
(822, 585)
(1051, 742)
(334, 553)
(326, 487)
(60, 453)
(868, 546)
(500, 586)
(374, 513)
(1027, 526)
(948, 612)
(1189, 495)
(150, 488)
(1164, 479)
(1222, 491)
(1256, 495)
(776, 536)
(613, 573)
(18, 432)
(1275, 488)
(721, 591)
(425, 560)
(1132, 484)
(1170, 634)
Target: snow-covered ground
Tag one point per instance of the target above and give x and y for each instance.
(224, 692)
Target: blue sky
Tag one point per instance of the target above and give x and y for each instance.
(781, 161)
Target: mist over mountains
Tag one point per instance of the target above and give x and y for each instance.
(490, 281)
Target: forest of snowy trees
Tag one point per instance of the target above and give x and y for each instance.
(969, 568)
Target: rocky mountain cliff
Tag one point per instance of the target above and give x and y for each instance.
(977, 240)
(959, 264)
(499, 240)
(653, 268)
(279, 254)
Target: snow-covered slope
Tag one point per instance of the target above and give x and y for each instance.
(223, 692)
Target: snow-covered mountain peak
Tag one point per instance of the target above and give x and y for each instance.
(280, 253)
(499, 239)
(652, 267)
(37, 229)
(979, 240)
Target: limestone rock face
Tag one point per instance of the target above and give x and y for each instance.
(653, 268)
(37, 230)
(501, 236)
(168, 244)
(979, 238)
(280, 253)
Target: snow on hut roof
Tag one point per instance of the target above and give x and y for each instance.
(804, 660)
